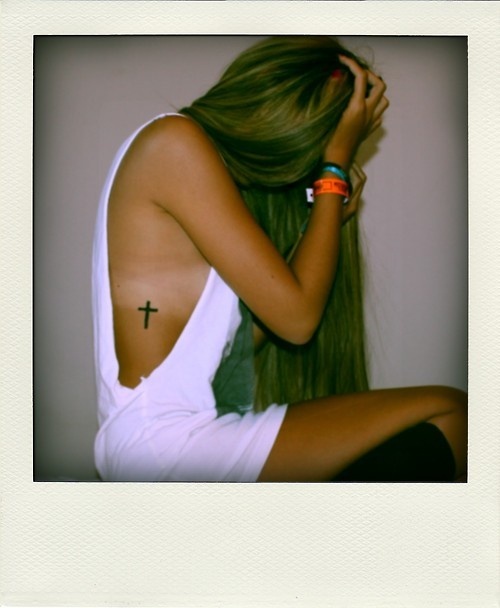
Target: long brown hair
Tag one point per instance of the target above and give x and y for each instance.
(270, 116)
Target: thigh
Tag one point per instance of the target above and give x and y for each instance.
(319, 438)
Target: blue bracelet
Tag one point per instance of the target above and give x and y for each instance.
(336, 170)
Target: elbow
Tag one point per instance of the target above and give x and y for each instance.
(300, 332)
(296, 323)
(300, 340)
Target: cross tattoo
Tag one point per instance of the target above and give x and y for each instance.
(147, 309)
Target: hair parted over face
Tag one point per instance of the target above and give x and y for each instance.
(275, 107)
(270, 117)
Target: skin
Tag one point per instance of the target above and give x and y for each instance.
(185, 221)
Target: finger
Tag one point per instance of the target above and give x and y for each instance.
(377, 88)
(378, 114)
(356, 169)
(381, 107)
(357, 177)
(360, 77)
(351, 208)
(375, 81)
(376, 119)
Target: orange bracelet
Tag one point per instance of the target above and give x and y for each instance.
(331, 186)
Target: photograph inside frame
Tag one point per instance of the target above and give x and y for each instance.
(250, 258)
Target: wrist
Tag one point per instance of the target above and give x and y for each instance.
(333, 169)
(343, 160)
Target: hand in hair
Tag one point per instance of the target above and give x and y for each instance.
(362, 116)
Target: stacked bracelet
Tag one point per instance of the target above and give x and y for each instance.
(340, 186)
(339, 172)
(336, 170)
(331, 186)
(328, 186)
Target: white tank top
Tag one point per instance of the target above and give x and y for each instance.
(207, 374)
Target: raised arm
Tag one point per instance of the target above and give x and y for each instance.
(190, 182)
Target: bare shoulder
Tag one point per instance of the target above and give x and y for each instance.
(179, 169)
(176, 136)
(175, 156)
(173, 124)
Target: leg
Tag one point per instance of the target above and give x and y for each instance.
(321, 438)
(418, 454)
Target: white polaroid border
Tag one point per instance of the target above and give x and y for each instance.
(277, 545)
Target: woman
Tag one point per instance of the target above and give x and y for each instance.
(205, 242)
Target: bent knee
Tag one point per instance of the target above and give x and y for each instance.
(453, 423)
(450, 408)
(451, 399)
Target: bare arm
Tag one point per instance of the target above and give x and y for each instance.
(358, 180)
(192, 184)
(189, 181)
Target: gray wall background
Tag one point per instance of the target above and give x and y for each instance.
(91, 92)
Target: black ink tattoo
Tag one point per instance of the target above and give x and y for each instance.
(147, 309)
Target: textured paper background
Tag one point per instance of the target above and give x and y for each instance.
(248, 545)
